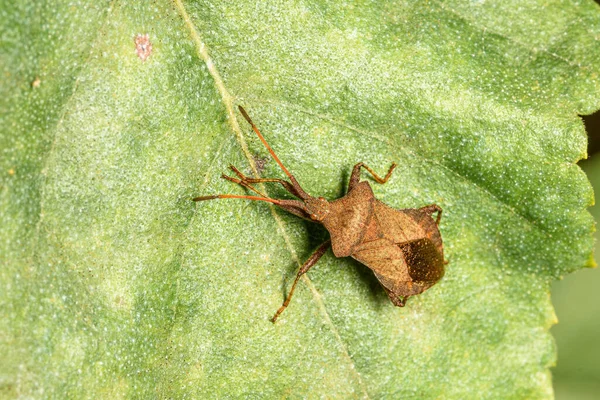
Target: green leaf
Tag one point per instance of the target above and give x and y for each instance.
(115, 284)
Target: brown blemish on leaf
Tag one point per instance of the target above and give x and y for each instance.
(36, 82)
(260, 164)
(11, 171)
(143, 47)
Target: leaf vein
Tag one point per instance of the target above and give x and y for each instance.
(509, 38)
(228, 101)
(452, 171)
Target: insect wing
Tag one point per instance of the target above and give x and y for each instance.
(408, 225)
(404, 269)
(425, 263)
(387, 261)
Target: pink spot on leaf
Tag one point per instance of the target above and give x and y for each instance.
(143, 47)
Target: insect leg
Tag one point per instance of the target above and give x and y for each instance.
(295, 207)
(287, 186)
(355, 177)
(312, 260)
(244, 184)
(430, 209)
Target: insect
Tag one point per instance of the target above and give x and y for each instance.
(403, 247)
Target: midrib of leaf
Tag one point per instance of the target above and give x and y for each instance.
(509, 38)
(228, 102)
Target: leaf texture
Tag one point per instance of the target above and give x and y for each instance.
(114, 284)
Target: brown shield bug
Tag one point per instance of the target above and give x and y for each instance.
(403, 247)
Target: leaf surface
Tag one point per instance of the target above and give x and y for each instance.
(115, 284)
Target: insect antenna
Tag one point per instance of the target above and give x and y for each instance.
(293, 206)
(236, 196)
(302, 194)
(262, 139)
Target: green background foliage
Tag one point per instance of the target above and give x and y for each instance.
(114, 284)
(577, 303)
